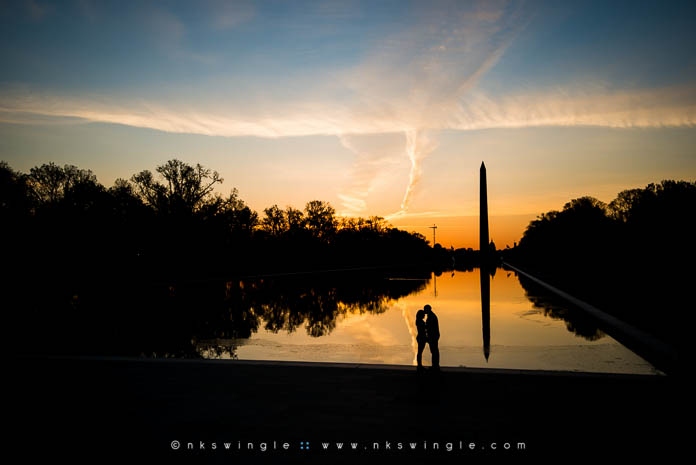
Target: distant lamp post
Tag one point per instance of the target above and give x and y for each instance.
(433, 227)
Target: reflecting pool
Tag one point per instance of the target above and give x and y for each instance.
(523, 329)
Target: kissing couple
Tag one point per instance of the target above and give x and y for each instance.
(428, 332)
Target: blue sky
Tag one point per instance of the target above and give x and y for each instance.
(90, 46)
(378, 107)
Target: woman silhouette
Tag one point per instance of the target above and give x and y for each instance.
(421, 337)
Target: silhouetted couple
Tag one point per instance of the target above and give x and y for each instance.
(428, 332)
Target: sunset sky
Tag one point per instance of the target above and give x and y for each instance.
(378, 107)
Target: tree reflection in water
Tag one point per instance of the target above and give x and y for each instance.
(554, 307)
(190, 320)
(285, 304)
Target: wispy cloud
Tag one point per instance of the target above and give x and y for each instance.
(375, 154)
(579, 106)
(37, 11)
(229, 15)
(380, 144)
(668, 107)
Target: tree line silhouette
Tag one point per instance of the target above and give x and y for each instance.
(61, 221)
(632, 257)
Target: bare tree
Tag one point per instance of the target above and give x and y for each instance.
(275, 221)
(185, 187)
(49, 183)
(295, 217)
(321, 220)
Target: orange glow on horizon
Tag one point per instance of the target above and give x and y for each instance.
(462, 231)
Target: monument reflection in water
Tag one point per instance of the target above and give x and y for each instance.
(485, 262)
(522, 329)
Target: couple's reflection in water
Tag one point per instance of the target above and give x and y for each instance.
(428, 333)
(428, 330)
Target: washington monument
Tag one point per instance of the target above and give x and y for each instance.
(483, 214)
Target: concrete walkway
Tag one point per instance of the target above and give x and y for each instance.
(91, 409)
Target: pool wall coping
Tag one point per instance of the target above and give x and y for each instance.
(646, 345)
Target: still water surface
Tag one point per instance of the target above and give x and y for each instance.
(528, 330)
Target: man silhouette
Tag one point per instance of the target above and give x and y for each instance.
(433, 330)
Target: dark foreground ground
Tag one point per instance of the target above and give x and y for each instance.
(95, 410)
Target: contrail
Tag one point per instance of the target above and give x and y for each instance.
(418, 146)
(422, 91)
(374, 154)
